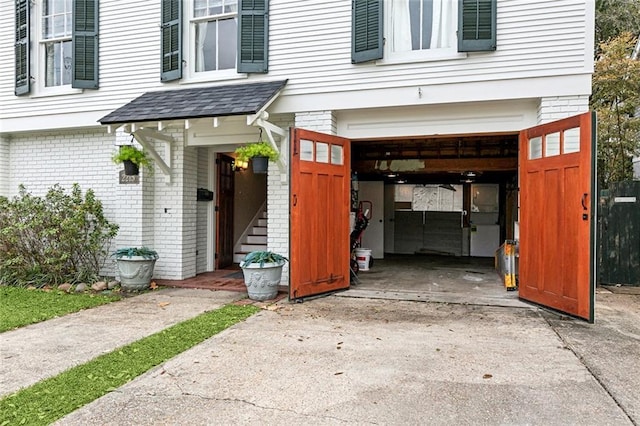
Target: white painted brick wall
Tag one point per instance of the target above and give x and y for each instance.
(4, 166)
(41, 160)
(557, 107)
(202, 210)
(278, 201)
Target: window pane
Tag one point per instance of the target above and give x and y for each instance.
(322, 152)
(66, 62)
(422, 24)
(552, 144)
(230, 6)
(206, 46)
(199, 8)
(535, 148)
(306, 150)
(572, 140)
(336, 155)
(227, 42)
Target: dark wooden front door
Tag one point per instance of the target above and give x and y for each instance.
(320, 195)
(224, 211)
(557, 186)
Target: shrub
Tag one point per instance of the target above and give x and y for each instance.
(53, 239)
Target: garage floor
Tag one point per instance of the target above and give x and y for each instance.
(434, 278)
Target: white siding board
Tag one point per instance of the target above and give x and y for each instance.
(310, 44)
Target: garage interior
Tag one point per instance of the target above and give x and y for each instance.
(439, 208)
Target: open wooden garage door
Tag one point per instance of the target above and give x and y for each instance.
(319, 205)
(557, 208)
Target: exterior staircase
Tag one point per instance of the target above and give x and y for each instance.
(254, 238)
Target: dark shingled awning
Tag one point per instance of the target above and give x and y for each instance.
(217, 101)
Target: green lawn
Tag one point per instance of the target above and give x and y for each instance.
(21, 306)
(51, 399)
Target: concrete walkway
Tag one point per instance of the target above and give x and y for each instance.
(43, 350)
(338, 360)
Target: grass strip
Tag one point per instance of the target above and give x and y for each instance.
(53, 398)
(22, 306)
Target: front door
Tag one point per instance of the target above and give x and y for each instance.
(557, 208)
(224, 211)
(319, 203)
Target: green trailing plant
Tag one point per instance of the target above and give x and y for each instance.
(133, 154)
(262, 257)
(129, 252)
(256, 149)
(61, 237)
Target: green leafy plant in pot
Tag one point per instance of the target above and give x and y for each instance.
(133, 159)
(262, 272)
(259, 153)
(135, 267)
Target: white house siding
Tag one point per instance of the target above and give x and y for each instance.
(310, 44)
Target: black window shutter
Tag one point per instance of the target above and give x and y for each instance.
(253, 36)
(85, 44)
(366, 30)
(476, 25)
(171, 40)
(22, 69)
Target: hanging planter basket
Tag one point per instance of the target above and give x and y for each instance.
(260, 164)
(131, 168)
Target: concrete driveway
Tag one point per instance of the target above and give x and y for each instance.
(344, 360)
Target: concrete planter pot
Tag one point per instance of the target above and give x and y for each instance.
(262, 281)
(135, 272)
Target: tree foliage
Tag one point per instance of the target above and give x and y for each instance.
(53, 239)
(613, 17)
(616, 100)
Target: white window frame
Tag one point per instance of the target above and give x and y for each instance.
(424, 55)
(194, 76)
(40, 60)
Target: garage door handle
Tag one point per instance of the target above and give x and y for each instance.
(584, 201)
(295, 200)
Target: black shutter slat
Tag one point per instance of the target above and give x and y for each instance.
(85, 44)
(253, 36)
(171, 40)
(476, 25)
(366, 30)
(22, 58)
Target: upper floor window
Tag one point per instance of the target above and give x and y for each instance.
(215, 25)
(416, 30)
(223, 38)
(56, 41)
(65, 53)
(421, 24)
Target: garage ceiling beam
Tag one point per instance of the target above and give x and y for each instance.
(457, 165)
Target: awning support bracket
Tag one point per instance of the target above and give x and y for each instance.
(144, 136)
(260, 120)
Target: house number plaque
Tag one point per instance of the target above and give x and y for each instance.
(128, 179)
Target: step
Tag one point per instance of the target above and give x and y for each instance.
(256, 239)
(259, 230)
(262, 222)
(253, 247)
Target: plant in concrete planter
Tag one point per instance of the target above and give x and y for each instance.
(133, 159)
(262, 272)
(135, 267)
(259, 153)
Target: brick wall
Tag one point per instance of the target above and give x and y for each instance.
(4, 166)
(202, 218)
(557, 107)
(41, 160)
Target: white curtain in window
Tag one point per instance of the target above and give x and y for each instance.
(202, 34)
(400, 26)
(441, 34)
(400, 23)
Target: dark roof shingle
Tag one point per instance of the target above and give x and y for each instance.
(217, 101)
